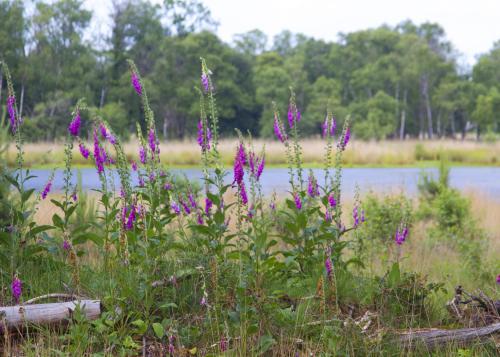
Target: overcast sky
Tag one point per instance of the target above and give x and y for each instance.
(472, 26)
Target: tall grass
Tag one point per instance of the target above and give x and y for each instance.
(361, 153)
(222, 269)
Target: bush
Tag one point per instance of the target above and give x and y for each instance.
(384, 214)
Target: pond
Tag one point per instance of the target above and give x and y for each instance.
(485, 180)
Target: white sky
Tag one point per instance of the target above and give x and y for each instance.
(472, 26)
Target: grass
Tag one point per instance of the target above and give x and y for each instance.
(368, 154)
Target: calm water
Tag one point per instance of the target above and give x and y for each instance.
(482, 179)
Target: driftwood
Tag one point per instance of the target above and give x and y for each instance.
(432, 338)
(20, 316)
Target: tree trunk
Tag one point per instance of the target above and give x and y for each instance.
(424, 84)
(165, 125)
(452, 122)
(17, 317)
(101, 101)
(403, 116)
(396, 114)
(21, 101)
(432, 338)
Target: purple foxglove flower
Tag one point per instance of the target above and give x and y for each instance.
(111, 138)
(192, 201)
(74, 126)
(129, 224)
(243, 193)
(204, 136)
(238, 170)
(142, 155)
(251, 162)
(66, 245)
(74, 196)
(498, 279)
(277, 130)
(152, 140)
(328, 266)
(46, 190)
(205, 83)
(290, 116)
(223, 344)
(136, 83)
(298, 201)
(312, 186)
(298, 116)
(134, 166)
(99, 157)
(355, 216)
(16, 288)
(168, 186)
(331, 200)
(363, 218)
(171, 348)
(103, 130)
(260, 168)
(203, 301)
(208, 206)
(175, 207)
(333, 127)
(84, 151)
(324, 127)
(399, 238)
(11, 101)
(199, 219)
(186, 208)
(242, 156)
(347, 136)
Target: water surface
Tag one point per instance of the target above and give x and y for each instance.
(479, 179)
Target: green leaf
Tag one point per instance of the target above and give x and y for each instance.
(57, 220)
(39, 229)
(159, 330)
(27, 194)
(394, 275)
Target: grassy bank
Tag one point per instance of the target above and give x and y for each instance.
(372, 154)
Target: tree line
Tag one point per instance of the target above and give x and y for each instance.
(394, 82)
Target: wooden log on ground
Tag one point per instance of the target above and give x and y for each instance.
(432, 338)
(20, 316)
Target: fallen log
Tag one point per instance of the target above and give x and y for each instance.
(433, 338)
(20, 316)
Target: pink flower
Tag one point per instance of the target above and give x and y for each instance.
(84, 151)
(11, 101)
(74, 126)
(298, 202)
(16, 288)
(278, 130)
(46, 190)
(136, 83)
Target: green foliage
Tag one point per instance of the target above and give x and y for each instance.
(383, 216)
(451, 219)
(380, 76)
(181, 268)
(402, 296)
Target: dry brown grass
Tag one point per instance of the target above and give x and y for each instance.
(383, 153)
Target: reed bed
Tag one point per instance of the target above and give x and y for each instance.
(362, 153)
